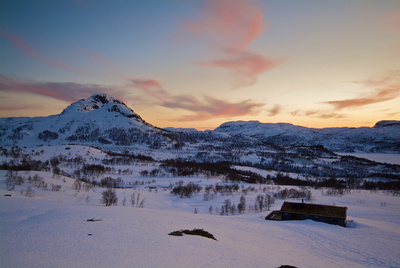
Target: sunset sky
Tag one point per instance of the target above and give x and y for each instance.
(197, 64)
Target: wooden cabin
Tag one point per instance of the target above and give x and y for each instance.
(302, 211)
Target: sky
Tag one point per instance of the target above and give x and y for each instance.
(198, 64)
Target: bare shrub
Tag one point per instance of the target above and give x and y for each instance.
(38, 182)
(109, 197)
(136, 202)
(10, 185)
(335, 192)
(294, 193)
(227, 206)
(12, 179)
(77, 185)
(133, 199)
(186, 190)
(55, 187)
(141, 205)
(29, 192)
(242, 205)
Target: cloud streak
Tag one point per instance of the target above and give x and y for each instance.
(375, 97)
(275, 110)
(229, 27)
(318, 114)
(68, 91)
(152, 87)
(203, 109)
(100, 59)
(23, 46)
(246, 66)
(17, 108)
(386, 88)
(227, 23)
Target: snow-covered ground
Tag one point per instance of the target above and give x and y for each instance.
(50, 228)
(378, 157)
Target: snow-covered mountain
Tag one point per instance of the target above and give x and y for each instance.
(383, 137)
(98, 119)
(101, 120)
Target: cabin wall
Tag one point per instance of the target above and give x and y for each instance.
(295, 216)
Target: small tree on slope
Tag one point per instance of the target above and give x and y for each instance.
(109, 197)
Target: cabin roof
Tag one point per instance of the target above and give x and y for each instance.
(314, 209)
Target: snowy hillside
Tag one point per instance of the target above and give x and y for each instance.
(383, 137)
(44, 218)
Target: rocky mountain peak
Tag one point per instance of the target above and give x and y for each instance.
(103, 99)
(94, 102)
(387, 123)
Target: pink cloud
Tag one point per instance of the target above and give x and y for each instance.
(246, 66)
(385, 89)
(210, 108)
(152, 87)
(96, 57)
(318, 114)
(379, 95)
(206, 108)
(9, 84)
(105, 61)
(28, 51)
(275, 110)
(228, 23)
(68, 91)
(213, 106)
(17, 108)
(229, 27)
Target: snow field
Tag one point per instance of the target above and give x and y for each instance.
(56, 234)
(50, 229)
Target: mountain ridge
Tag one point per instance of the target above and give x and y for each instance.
(104, 120)
(383, 136)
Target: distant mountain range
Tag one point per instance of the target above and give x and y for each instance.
(101, 120)
(383, 137)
